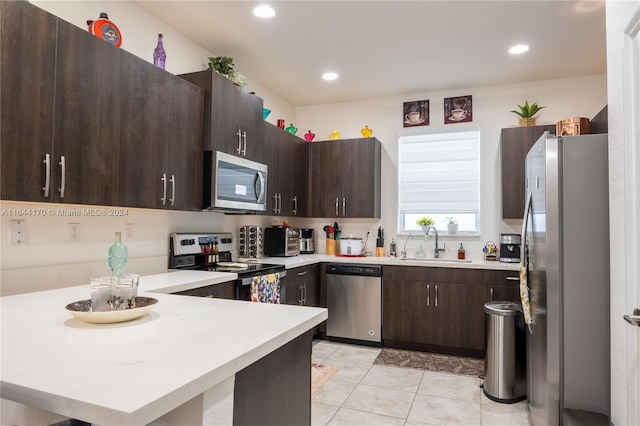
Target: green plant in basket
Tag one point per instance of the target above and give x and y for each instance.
(527, 110)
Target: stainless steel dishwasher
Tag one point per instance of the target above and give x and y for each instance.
(354, 301)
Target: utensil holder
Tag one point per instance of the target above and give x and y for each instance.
(332, 247)
(379, 251)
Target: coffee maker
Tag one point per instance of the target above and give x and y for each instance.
(510, 248)
(307, 242)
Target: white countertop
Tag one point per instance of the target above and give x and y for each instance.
(134, 372)
(309, 259)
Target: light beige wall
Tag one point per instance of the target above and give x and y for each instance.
(49, 260)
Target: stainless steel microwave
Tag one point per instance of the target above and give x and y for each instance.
(233, 183)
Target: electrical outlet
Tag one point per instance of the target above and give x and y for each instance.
(128, 232)
(18, 232)
(74, 232)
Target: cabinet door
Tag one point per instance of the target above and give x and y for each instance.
(360, 178)
(291, 291)
(251, 124)
(27, 70)
(458, 315)
(143, 145)
(185, 152)
(272, 139)
(325, 179)
(285, 172)
(515, 143)
(407, 311)
(87, 122)
(299, 178)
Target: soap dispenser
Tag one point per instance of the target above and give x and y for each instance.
(461, 252)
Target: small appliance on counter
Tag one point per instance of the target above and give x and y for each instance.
(251, 244)
(510, 248)
(307, 241)
(281, 241)
(351, 246)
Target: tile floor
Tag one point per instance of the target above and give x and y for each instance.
(361, 393)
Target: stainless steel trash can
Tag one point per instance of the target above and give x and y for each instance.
(504, 364)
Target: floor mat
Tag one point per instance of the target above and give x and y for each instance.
(320, 374)
(431, 362)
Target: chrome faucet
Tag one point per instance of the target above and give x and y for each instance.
(436, 251)
(403, 253)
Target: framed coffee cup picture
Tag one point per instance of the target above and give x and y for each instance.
(458, 110)
(415, 113)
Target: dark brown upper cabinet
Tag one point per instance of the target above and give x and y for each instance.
(233, 116)
(59, 121)
(515, 143)
(344, 178)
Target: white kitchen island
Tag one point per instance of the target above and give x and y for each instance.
(134, 373)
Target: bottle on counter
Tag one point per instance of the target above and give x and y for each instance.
(461, 253)
(392, 248)
(118, 254)
(159, 55)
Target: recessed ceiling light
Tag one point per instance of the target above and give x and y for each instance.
(329, 76)
(520, 48)
(264, 11)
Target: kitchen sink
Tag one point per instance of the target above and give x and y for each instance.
(423, 259)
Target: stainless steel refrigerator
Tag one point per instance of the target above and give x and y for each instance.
(565, 242)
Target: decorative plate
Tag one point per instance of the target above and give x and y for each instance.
(82, 310)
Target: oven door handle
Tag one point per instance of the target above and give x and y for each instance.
(247, 281)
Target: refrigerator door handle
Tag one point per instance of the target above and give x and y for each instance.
(523, 237)
(633, 319)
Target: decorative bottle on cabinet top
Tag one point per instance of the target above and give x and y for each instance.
(118, 256)
(159, 55)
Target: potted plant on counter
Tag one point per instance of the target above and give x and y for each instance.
(224, 65)
(452, 225)
(425, 222)
(526, 113)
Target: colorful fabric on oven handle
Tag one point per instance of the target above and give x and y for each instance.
(524, 288)
(266, 288)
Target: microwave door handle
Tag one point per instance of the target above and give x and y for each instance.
(260, 196)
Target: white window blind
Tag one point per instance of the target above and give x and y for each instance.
(439, 175)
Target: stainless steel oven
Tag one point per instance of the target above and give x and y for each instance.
(196, 251)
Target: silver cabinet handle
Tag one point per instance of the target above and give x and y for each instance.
(244, 146)
(47, 174)
(513, 278)
(633, 319)
(279, 203)
(491, 294)
(305, 294)
(344, 207)
(173, 189)
(300, 274)
(300, 294)
(337, 212)
(63, 172)
(436, 304)
(239, 149)
(428, 293)
(164, 189)
(275, 203)
(295, 205)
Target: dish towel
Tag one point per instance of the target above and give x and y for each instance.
(266, 288)
(524, 295)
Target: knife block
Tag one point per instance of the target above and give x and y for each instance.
(333, 247)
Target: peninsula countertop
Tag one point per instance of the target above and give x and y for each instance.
(134, 372)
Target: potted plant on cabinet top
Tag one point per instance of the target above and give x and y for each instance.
(452, 225)
(526, 113)
(224, 65)
(425, 222)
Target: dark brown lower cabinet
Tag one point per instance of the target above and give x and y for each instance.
(218, 291)
(439, 309)
(276, 389)
(301, 286)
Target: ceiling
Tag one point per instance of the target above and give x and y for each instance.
(393, 48)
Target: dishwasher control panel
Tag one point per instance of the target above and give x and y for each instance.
(362, 270)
